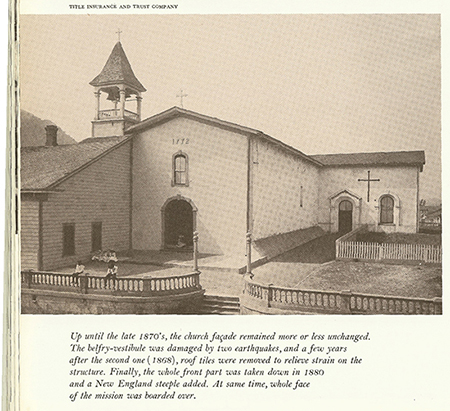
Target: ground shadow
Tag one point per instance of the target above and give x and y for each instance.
(317, 251)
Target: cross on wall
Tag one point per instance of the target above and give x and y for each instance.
(368, 179)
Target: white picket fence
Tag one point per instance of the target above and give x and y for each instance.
(388, 251)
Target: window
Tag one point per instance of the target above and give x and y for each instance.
(387, 210)
(68, 239)
(180, 169)
(96, 236)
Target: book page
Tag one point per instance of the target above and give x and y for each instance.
(215, 201)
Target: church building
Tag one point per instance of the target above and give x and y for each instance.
(149, 184)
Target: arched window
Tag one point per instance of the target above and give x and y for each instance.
(386, 210)
(180, 169)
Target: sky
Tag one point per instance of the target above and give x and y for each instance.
(321, 83)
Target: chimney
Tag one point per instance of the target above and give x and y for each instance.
(51, 131)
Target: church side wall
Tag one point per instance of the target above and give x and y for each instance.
(285, 190)
(99, 193)
(217, 173)
(399, 182)
(29, 234)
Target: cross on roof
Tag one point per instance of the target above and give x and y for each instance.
(181, 95)
(368, 179)
(118, 33)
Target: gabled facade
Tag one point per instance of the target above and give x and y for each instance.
(389, 204)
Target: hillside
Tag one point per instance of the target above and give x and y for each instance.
(32, 131)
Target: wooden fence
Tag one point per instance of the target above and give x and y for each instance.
(268, 299)
(388, 251)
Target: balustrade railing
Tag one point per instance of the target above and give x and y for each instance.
(124, 286)
(331, 302)
(106, 114)
(375, 304)
(115, 113)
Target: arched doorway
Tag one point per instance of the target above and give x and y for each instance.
(345, 216)
(178, 224)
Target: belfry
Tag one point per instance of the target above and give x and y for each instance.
(118, 96)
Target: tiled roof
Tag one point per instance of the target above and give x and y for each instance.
(43, 167)
(381, 159)
(117, 70)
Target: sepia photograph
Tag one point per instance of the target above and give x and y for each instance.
(231, 164)
(226, 206)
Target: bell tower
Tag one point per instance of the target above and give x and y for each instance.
(118, 96)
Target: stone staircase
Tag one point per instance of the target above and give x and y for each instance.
(220, 305)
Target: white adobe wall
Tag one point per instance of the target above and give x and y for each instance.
(400, 182)
(104, 128)
(29, 234)
(280, 205)
(99, 193)
(217, 184)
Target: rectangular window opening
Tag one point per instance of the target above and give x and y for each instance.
(96, 236)
(68, 239)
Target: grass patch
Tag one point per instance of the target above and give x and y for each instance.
(380, 279)
(369, 278)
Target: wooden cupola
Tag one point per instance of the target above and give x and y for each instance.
(118, 96)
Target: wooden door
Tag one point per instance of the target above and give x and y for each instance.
(345, 216)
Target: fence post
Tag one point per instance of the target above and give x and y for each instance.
(437, 305)
(249, 252)
(345, 306)
(195, 240)
(28, 278)
(146, 286)
(269, 294)
(381, 251)
(83, 284)
(427, 254)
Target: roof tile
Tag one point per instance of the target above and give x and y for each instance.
(380, 158)
(117, 70)
(43, 166)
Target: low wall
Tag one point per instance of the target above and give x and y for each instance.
(55, 293)
(268, 299)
